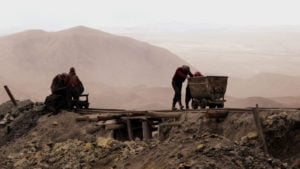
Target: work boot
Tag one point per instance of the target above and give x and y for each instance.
(181, 107)
(173, 105)
(51, 109)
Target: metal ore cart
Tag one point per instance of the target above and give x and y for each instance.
(208, 91)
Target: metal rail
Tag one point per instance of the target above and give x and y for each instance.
(101, 109)
(123, 111)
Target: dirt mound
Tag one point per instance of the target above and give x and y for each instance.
(69, 154)
(18, 120)
(282, 132)
(203, 143)
(197, 142)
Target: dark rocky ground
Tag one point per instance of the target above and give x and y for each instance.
(37, 139)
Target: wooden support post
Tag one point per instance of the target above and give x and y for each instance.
(259, 128)
(10, 96)
(129, 129)
(147, 133)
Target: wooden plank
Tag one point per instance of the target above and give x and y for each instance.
(113, 126)
(216, 114)
(170, 124)
(279, 109)
(203, 110)
(135, 117)
(129, 129)
(102, 109)
(164, 115)
(234, 109)
(107, 117)
(125, 112)
(95, 118)
(259, 128)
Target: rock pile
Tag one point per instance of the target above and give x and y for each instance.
(61, 142)
(71, 154)
(282, 132)
(16, 121)
(75, 154)
(9, 112)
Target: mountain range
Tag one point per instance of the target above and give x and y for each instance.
(118, 71)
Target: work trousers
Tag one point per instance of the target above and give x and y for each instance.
(177, 96)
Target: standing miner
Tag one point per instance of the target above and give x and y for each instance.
(74, 88)
(178, 78)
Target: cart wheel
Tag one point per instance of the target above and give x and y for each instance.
(212, 106)
(203, 103)
(86, 106)
(220, 105)
(194, 104)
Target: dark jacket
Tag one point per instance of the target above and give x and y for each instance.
(59, 83)
(180, 75)
(73, 82)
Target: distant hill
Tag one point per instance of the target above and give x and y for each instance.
(30, 59)
(288, 101)
(98, 57)
(235, 51)
(251, 102)
(264, 85)
(122, 72)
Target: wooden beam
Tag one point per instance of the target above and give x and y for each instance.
(119, 112)
(10, 96)
(113, 126)
(95, 118)
(164, 115)
(101, 109)
(147, 133)
(278, 109)
(107, 117)
(170, 124)
(135, 117)
(259, 128)
(129, 129)
(216, 114)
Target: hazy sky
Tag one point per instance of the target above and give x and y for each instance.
(17, 15)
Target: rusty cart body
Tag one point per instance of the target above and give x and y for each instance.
(83, 102)
(208, 91)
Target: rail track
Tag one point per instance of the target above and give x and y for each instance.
(124, 111)
(143, 122)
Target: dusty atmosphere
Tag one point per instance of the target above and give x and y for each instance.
(129, 123)
(115, 68)
(139, 84)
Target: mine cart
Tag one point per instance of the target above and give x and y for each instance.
(208, 91)
(83, 102)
